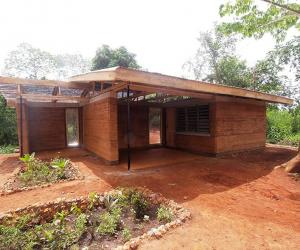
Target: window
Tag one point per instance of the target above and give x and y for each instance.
(193, 119)
(72, 127)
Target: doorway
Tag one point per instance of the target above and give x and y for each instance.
(155, 126)
(72, 127)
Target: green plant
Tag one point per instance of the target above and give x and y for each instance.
(75, 209)
(7, 149)
(59, 217)
(110, 202)
(60, 165)
(126, 234)
(139, 204)
(164, 214)
(80, 224)
(23, 221)
(109, 222)
(93, 199)
(37, 171)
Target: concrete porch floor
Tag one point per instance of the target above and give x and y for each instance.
(237, 202)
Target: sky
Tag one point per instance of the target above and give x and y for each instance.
(163, 34)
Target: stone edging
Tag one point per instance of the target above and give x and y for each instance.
(180, 213)
(79, 176)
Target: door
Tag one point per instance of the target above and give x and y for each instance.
(154, 126)
(72, 127)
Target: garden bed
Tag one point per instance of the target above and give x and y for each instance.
(118, 219)
(34, 173)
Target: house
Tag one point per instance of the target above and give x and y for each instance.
(100, 110)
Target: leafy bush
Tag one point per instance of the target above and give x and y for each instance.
(139, 204)
(283, 126)
(164, 214)
(8, 124)
(109, 222)
(7, 149)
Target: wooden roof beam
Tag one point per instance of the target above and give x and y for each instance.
(46, 83)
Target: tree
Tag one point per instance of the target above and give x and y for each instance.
(278, 17)
(216, 62)
(29, 62)
(214, 46)
(107, 57)
(70, 64)
(253, 18)
(33, 63)
(8, 124)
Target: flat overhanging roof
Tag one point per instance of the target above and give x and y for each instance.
(80, 89)
(156, 80)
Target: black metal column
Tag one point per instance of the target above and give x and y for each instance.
(128, 130)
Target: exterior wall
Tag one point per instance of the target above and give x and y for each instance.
(240, 126)
(47, 129)
(139, 123)
(100, 132)
(191, 142)
(235, 125)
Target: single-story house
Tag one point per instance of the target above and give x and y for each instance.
(101, 109)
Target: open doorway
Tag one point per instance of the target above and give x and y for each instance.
(154, 126)
(72, 127)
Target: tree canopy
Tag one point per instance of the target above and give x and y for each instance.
(107, 57)
(254, 18)
(216, 61)
(29, 62)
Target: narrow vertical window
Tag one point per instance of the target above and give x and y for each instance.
(72, 127)
(154, 126)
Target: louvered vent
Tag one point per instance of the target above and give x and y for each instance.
(193, 119)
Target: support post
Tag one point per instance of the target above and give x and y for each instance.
(128, 130)
(21, 126)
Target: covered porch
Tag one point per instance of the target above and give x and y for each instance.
(114, 111)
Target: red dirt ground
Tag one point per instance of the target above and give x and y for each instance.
(237, 202)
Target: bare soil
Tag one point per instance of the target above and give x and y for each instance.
(242, 201)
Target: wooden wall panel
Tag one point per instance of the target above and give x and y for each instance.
(139, 126)
(47, 128)
(100, 132)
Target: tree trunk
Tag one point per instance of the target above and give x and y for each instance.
(293, 166)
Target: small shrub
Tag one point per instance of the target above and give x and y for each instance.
(75, 209)
(109, 222)
(93, 199)
(126, 234)
(139, 204)
(164, 214)
(60, 165)
(110, 202)
(80, 224)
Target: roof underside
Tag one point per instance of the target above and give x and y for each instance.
(81, 89)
